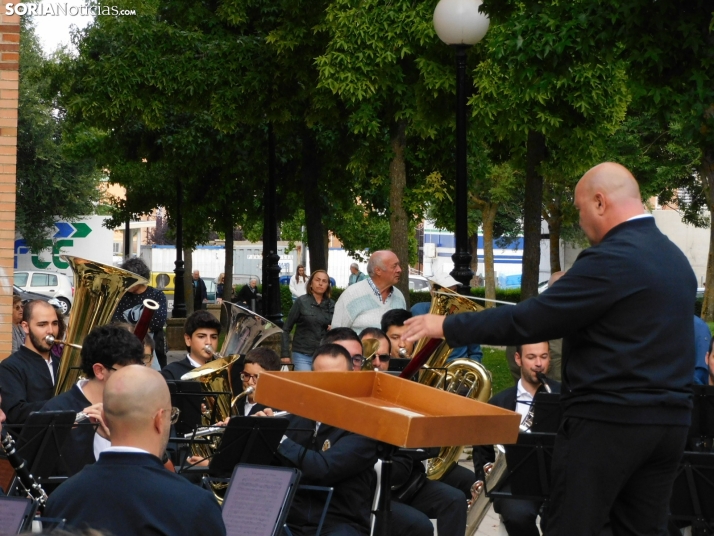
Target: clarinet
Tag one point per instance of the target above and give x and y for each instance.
(27, 481)
(528, 421)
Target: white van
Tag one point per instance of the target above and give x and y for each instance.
(52, 284)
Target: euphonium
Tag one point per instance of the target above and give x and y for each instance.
(461, 376)
(247, 330)
(98, 289)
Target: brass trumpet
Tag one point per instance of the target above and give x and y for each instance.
(49, 339)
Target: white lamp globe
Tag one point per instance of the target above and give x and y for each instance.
(458, 22)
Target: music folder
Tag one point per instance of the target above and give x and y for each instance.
(16, 514)
(258, 500)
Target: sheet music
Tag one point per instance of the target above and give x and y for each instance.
(254, 500)
(12, 513)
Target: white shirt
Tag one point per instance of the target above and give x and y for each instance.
(194, 364)
(100, 444)
(297, 288)
(640, 216)
(524, 400)
(132, 450)
(248, 407)
(52, 371)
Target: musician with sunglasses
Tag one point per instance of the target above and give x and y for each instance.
(381, 357)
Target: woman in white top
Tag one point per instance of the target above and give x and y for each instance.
(297, 282)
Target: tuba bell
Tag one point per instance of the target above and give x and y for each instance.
(247, 330)
(98, 289)
(460, 376)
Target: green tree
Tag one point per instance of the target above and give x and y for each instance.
(54, 178)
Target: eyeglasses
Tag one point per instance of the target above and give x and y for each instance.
(358, 360)
(175, 412)
(147, 359)
(384, 358)
(113, 369)
(248, 377)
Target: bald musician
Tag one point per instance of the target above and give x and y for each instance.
(625, 312)
(128, 491)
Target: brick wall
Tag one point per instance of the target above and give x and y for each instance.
(9, 56)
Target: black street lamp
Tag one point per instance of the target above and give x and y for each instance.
(459, 23)
(271, 268)
(179, 310)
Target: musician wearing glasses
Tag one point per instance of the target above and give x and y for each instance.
(200, 330)
(28, 376)
(329, 456)
(381, 357)
(105, 350)
(349, 340)
(519, 516)
(128, 490)
(257, 360)
(624, 310)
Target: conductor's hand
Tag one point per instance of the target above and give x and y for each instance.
(94, 412)
(267, 412)
(418, 327)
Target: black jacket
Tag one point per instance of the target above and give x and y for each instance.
(174, 371)
(311, 320)
(625, 312)
(78, 449)
(332, 457)
(128, 494)
(26, 384)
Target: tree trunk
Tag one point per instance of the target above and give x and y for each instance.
(555, 221)
(488, 217)
(188, 279)
(227, 272)
(399, 227)
(707, 173)
(473, 249)
(532, 215)
(313, 205)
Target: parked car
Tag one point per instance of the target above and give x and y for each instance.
(28, 296)
(51, 284)
(418, 282)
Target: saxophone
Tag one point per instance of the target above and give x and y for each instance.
(479, 503)
(27, 481)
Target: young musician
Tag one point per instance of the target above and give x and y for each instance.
(519, 516)
(104, 351)
(200, 330)
(393, 326)
(28, 377)
(256, 361)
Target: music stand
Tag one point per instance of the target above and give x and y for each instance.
(258, 500)
(187, 396)
(41, 440)
(692, 491)
(701, 432)
(397, 364)
(529, 462)
(247, 440)
(16, 514)
(547, 413)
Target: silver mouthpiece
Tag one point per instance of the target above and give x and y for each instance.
(404, 354)
(49, 339)
(541, 379)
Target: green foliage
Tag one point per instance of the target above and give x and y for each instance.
(494, 359)
(286, 300)
(54, 179)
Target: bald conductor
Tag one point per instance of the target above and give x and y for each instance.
(129, 491)
(624, 310)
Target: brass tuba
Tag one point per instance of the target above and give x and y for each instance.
(98, 289)
(461, 376)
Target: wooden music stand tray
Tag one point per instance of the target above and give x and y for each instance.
(391, 410)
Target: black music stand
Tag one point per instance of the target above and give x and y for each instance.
(547, 413)
(529, 463)
(40, 443)
(397, 364)
(693, 490)
(187, 396)
(701, 432)
(247, 440)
